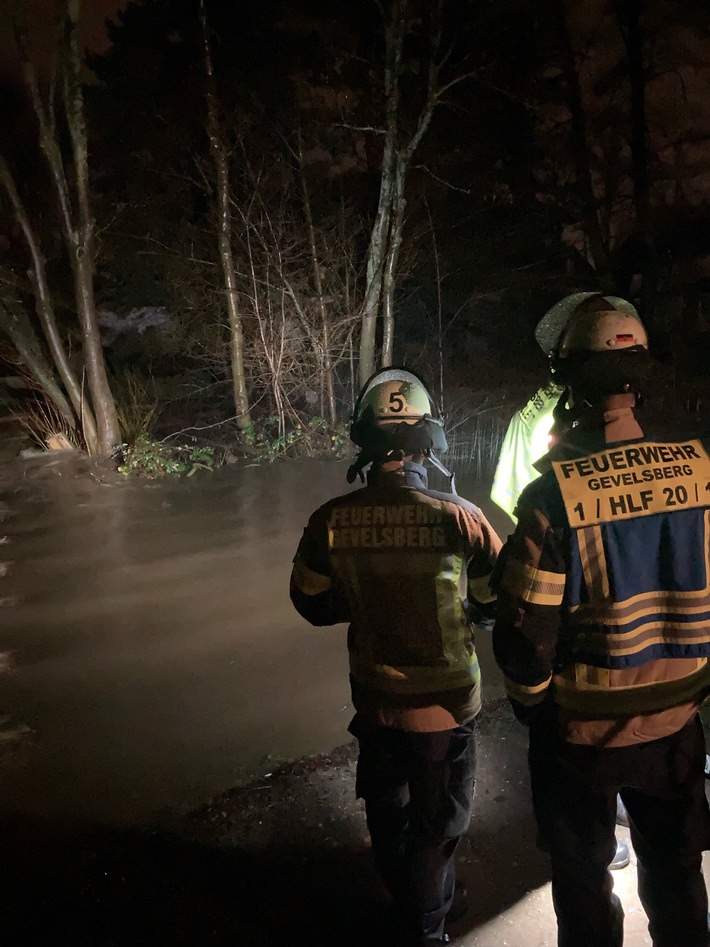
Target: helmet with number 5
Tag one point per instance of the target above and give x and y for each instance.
(394, 411)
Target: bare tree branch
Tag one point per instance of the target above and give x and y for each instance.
(361, 128)
(448, 184)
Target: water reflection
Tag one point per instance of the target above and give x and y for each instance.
(152, 655)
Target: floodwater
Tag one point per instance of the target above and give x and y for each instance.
(151, 657)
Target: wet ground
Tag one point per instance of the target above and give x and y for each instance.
(154, 684)
(283, 860)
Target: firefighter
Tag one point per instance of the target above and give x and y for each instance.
(529, 436)
(526, 441)
(404, 564)
(603, 636)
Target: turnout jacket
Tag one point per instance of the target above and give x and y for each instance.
(604, 587)
(401, 563)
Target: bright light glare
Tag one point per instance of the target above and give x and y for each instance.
(530, 922)
(539, 439)
(625, 882)
(531, 918)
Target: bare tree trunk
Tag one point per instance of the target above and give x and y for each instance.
(394, 244)
(79, 236)
(82, 243)
(326, 363)
(377, 250)
(45, 313)
(628, 13)
(373, 291)
(386, 238)
(583, 170)
(398, 204)
(273, 359)
(224, 239)
(439, 307)
(16, 324)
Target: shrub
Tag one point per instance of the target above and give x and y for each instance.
(152, 459)
(313, 438)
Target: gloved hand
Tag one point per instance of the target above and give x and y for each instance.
(478, 617)
(528, 715)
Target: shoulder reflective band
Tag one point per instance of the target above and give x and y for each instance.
(636, 480)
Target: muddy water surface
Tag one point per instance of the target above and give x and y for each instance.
(150, 654)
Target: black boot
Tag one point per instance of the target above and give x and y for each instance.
(622, 856)
(459, 905)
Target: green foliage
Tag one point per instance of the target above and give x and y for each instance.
(152, 459)
(268, 448)
(249, 434)
(340, 443)
(309, 439)
(199, 456)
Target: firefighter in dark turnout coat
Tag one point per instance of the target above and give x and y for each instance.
(603, 635)
(404, 564)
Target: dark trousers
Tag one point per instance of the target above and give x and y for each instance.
(662, 786)
(418, 792)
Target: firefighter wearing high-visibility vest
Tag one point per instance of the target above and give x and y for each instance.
(603, 636)
(526, 440)
(402, 563)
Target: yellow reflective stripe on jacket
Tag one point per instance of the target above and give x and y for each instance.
(615, 645)
(591, 552)
(657, 615)
(405, 679)
(647, 603)
(532, 585)
(526, 694)
(308, 581)
(449, 612)
(586, 689)
(459, 664)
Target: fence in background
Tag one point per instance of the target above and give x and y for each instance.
(474, 446)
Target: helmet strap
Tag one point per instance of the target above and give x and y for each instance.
(584, 413)
(450, 475)
(357, 467)
(365, 458)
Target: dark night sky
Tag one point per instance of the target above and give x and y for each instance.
(40, 18)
